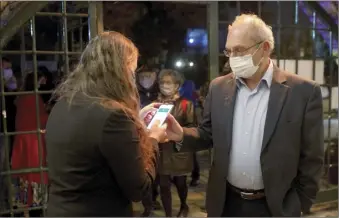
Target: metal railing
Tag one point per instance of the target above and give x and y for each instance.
(94, 21)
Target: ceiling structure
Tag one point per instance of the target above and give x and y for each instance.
(14, 14)
(8, 9)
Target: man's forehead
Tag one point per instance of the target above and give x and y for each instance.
(238, 36)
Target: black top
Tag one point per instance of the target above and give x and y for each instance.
(148, 96)
(94, 160)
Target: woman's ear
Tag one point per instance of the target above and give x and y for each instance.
(266, 46)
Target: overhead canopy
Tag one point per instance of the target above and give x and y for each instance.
(14, 14)
(8, 9)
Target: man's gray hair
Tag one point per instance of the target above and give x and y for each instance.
(259, 30)
(177, 77)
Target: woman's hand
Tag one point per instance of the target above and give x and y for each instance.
(158, 132)
(174, 131)
(145, 110)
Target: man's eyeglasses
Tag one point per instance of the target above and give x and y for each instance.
(239, 51)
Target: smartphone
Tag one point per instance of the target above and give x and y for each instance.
(161, 114)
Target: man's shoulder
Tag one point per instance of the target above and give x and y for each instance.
(295, 81)
(222, 79)
(292, 80)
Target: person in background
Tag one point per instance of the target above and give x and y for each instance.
(201, 100)
(203, 91)
(10, 85)
(31, 187)
(188, 91)
(174, 166)
(5, 65)
(9, 77)
(148, 92)
(148, 87)
(101, 157)
(226, 69)
(47, 85)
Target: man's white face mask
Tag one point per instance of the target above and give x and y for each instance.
(243, 66)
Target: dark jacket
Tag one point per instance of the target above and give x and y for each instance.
(95, 168)
(172, 162)
(148, 96)
(293, 144)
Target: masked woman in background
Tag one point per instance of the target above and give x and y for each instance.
(174, 166)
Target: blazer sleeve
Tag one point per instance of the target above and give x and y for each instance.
(120, 147)
(200, 138)
(312, 151)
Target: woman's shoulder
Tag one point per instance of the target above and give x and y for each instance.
(74, 109)
(106, 113)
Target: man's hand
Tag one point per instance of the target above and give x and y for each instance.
(174, 130)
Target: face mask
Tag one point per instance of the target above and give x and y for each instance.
(10, 79)
(167, 89)
(147, 82)
(8, 73)
(243, 66)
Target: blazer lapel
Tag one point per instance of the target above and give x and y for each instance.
(230, 94)
(275, 104)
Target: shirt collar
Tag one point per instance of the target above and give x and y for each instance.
(268, 76)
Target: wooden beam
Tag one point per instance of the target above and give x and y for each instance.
(22, 16)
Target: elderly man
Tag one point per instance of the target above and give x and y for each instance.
(266, 128)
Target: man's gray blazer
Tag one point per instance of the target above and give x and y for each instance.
(292, 150)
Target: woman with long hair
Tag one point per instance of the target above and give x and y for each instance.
(100, 156)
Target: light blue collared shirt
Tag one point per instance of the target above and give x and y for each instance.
(248, 131)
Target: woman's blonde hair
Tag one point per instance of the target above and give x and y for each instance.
(104, 74)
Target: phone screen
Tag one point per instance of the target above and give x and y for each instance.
(161, 114)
